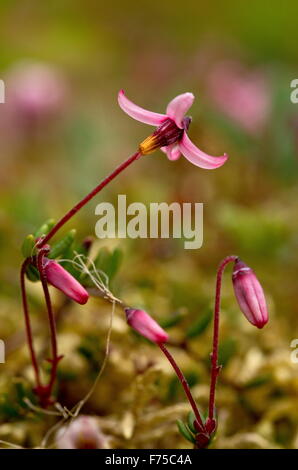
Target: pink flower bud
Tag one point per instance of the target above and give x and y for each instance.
(249, 294)
(82, 433)
(62, 280)
(145, 325)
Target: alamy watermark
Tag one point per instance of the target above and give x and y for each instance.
(159, 220)
(2, 351)
(294, 93)
(294, 353)
(2, 91)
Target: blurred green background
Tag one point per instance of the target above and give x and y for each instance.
(239, 59)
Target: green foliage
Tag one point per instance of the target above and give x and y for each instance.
(185, 432)
(12, 405)
(28, 246)
(45, 228)
(62, 247)
(171, 321)
(226, 350)
(258, 381)
(190, 421)
(32, 273)
(198, 328)
(91, 350)
(257, 231)
(108, 262)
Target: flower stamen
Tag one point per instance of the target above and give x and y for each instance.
(166, 134)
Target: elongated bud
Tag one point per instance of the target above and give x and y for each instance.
(249, 294)
(145, 325)
(62, 280)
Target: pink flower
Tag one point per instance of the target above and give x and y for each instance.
(243, 95)
(249, 294)
(65, 282)
(145, 325)
(82, 433)
(170, 134)
(37, 91)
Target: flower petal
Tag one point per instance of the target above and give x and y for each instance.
(138, 113)
(177, 108)
(172, 151)
(199, 158)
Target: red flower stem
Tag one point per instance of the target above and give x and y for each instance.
(184, 384)
(27, 321)
(215, 368)
(87, 198)
(55, 359)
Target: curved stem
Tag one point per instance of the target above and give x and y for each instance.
(184, 384)
(44, 283)
(45, 391)
(87, 198)
(55, 359)
(27, 321)
(215, 368)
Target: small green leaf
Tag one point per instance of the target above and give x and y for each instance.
(183, 429)
(226, 351)
(68, 265)
(28, 246)
(200, 326)
(108, 262)
(22, 391)
(258, 381)
(32, 273)
(171, 321)
(45, 228)
(172, 389)
(9, 410)
(101, 259)
(62, 246)
(190, 421)
(114, 263)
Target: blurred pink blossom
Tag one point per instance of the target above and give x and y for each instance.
(82, 433)
(242, 94)
(35, 92)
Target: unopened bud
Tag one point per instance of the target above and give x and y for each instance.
(145, 325)
(65, 282)
(249, 294)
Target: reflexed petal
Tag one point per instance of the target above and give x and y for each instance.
(177, 108)
(140, 114)
(172, 151)
(199, 158)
